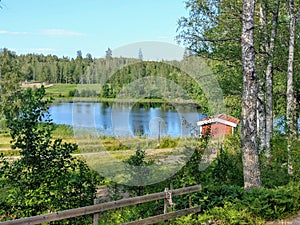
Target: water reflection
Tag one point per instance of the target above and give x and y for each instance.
(128, 119)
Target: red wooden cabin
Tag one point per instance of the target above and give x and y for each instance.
(218, 125)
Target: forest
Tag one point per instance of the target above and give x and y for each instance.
(251, 47)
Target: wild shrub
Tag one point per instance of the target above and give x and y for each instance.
(46, 178)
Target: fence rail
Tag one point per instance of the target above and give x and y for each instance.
(97, 208)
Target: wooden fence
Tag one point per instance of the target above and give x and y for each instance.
(98, 208)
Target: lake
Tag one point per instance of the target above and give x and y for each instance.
(129, 119)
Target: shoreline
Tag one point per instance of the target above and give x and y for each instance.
(120, 100)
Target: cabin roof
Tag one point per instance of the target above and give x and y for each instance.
(221, 118)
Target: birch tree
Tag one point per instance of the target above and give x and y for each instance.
(251, 166)
(269, 80)
(265, 99)
(291, 100)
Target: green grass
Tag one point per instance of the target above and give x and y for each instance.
(63, 132)
(63, 90)
(3, 191)
(60, 90)
(87, 143)
(4, 139)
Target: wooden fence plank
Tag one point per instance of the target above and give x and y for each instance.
(92, 209)
(96, 215)
(162, 217)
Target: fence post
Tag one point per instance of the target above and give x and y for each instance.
(166, 205)
(96, 215)
(190, 202)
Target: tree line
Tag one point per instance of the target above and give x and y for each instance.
(113, 74)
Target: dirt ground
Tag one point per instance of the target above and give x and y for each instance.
(295, 220)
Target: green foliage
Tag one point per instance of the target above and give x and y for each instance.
(189, 174)
(233, 205)
(223, 199)
(226, 215)
(233, 105)
(133, 213)
(107, 91)
(61, 89)
(10, 77)
(46, 178)
(217, 195)
(212, 29)
(2, 124)
(272, 204)
(9, 152)
(119, 216)
(168, 142)
(225, 169)
(144, 75)
(138, 169)
(228, 167)
(275, 170)
(72, 93)
(62, 130)
(84, 93)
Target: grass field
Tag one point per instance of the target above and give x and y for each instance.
(106, 154)
(120, 147)
(64, 90)
(60, 90)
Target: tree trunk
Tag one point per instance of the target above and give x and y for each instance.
(269, 80)
(261, 115)
(261, 102)
(290, 95)
(251, 165)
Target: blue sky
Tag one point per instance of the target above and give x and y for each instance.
(62, 27)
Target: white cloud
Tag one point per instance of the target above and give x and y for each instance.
(13, 32)
(47, 32)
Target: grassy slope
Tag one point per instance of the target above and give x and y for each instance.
(61, 93)
(62, 90)
(94, 144)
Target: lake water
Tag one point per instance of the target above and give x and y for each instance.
(129, 119)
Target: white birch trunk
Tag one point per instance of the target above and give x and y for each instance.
(261, 106)
(290, 106)
(261, 116)
(269, 81)
(252, 177)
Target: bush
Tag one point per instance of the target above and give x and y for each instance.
(232, 205)
(168, 142)
(273, 204)
(72, 93)
(46, 177)
(226, 215)
(2, 123)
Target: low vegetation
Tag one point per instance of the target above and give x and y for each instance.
(223, 199)
(46, 177)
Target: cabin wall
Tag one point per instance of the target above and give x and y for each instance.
(216, 130)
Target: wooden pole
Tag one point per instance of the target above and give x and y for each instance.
(96, 215)
(166, 205)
